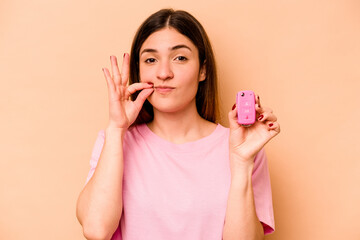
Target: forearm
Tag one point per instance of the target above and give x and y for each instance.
(241, 221)
(99, 205)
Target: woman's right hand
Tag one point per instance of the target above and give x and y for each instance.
(122, 111)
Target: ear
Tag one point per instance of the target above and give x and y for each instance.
(202, 75)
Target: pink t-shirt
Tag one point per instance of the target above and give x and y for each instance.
(180, 191)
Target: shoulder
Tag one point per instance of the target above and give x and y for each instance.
(137, 134)
(209, 128)
(223, 130)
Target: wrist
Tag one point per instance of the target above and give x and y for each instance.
(241, 166)
(241, 162)
(241, 178)
(115, 131)
(240, 169)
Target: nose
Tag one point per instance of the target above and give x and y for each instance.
(164, 71)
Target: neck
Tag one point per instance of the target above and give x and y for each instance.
(181, 126)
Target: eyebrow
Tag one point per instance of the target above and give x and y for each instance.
(151, 50)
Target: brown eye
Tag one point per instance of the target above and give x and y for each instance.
(150, 60)
(181, 58)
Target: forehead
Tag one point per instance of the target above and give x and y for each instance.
(166, 38)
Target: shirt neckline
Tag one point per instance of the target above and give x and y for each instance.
(166, 145)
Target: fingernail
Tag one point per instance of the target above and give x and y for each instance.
(260, 117)
(124, 54)
(234, 106)
(270, 125)
(152, 84)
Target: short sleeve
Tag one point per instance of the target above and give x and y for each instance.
(95, 155)
(262, 192)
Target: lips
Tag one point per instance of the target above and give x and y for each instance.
(163, 89)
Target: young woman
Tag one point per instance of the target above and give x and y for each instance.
(164, 168)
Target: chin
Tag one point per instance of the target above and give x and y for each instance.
(169, 105)
(165, 107)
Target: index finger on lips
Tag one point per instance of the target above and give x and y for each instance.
(136, 87)
(125, 69)
(115, 70)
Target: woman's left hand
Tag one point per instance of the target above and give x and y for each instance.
(246, 142)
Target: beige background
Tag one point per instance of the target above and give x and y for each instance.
(301, 57)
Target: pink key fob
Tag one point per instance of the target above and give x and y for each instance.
(245, 104)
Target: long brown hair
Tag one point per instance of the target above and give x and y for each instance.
(186, 24)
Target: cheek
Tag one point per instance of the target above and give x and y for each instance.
(189, 77)
(146, 75)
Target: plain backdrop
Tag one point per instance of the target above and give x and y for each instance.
(301, 57)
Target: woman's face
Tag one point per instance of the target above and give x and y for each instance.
(170, 61)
